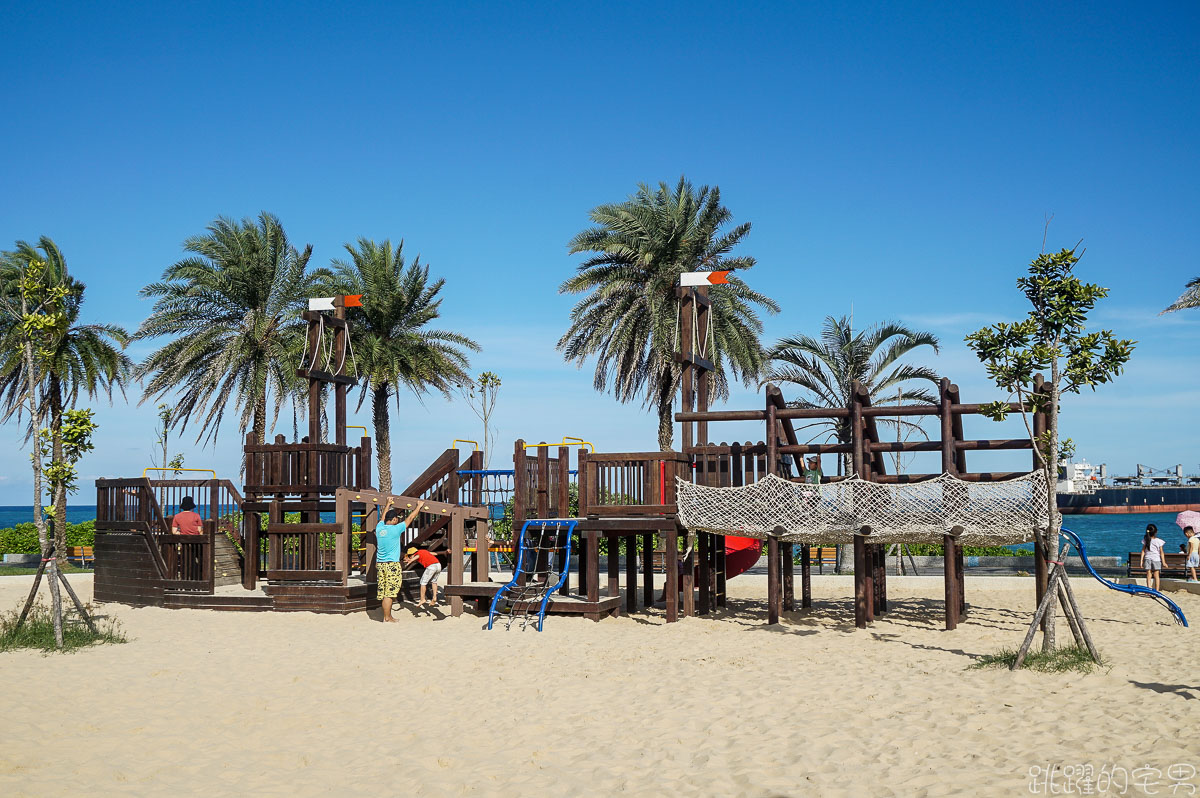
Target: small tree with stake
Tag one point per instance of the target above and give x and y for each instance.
(1052, 337)
(37, 307)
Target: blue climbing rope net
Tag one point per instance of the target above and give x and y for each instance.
(543, 562)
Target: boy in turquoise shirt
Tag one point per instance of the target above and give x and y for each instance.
(389, 571)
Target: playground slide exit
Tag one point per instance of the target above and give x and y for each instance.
(741, 554)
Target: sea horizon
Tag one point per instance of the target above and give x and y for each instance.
(1114, 535)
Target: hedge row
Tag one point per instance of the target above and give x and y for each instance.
(23, 538)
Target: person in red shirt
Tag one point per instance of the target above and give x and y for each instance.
(187, 521)
(430, 576)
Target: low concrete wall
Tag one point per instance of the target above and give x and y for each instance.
(1168, 585)
(1012, 565)
(22, 559)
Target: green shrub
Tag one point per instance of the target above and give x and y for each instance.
(934, 550)
(23, 539)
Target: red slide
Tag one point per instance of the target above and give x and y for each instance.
(740, 554)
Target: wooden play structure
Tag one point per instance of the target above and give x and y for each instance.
(623, 508)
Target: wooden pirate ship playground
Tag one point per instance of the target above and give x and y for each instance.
(686, 520)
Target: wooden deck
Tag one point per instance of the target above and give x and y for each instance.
(558, 605)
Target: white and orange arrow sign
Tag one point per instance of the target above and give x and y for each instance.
(687, 279)
(327, 302)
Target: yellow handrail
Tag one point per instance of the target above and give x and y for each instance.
(464, 440)
(176, 470)
(581, 441)
(356, 426)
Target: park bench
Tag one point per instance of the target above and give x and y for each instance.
(81, 553)
(1173, 566)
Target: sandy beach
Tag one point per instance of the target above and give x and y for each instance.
(304, 704)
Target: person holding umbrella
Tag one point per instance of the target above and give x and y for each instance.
(1189, 520)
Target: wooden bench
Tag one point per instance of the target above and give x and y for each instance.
(822, 556)
(498, 553)
(1173, 566)
(83, 554)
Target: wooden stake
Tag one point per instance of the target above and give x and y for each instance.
(1051, 590)
(1083, 630)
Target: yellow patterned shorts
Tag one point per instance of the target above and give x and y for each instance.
(389, 576)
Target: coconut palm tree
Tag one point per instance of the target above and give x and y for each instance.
(232, 312)
(86, 360)
(826, 368)
(393, 346)
(628, 320)
(1189, 299)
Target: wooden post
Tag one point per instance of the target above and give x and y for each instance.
(581, 482)
(950, 560)
(631, 548)
(563, 499)
(614, 565)
(671, 563)
(860, 582)
(480, 564)
(774, 593)
(702, 377)
(789, 576)
(520, 489)
(593, 565)
(805, 576)
(458, 540)
(364, 464)
(687, 583)
(685, 351)
(881, 586)
(339, 389)
(543, 482)
(251, 523)
(960, 580)
(705, 543)
(947, 426)
(647, 567)
(869, 579)
(342, 516)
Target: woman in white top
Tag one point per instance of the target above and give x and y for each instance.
(1152, 557)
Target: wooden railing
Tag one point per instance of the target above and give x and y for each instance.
(723, 465)
(439, 482)
(147, 506)
(298, 468)
(630, 483)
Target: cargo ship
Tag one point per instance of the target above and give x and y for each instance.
(1084, 489)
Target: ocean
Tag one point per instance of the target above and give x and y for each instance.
(1104, 535)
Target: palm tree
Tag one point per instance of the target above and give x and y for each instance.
(393, 346)
(826, 368)
(86, 359)
(1189, 299)
(629, 317)
(233, 308)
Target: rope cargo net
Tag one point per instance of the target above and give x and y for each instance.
(990, 513)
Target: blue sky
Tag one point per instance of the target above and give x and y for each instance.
(899, 159)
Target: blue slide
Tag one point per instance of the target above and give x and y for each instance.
(1134, 590)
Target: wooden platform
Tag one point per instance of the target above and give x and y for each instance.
(558, 604)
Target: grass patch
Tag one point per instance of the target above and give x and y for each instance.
(21, 570)
(38, 630)
(1060, 660)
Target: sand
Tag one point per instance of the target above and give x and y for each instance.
(304, 704)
